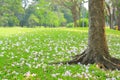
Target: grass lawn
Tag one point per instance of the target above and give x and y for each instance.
(25, 52)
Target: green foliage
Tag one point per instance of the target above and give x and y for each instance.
(13, 21)
(83, 22)
(70, 25)
(9, 12)
(67, 15)
(33, 21)
(3, 21)
(13, 13)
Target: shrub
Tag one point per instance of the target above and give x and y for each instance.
(83, 22)
(70, 25)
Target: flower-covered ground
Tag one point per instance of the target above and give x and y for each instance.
(26, 52)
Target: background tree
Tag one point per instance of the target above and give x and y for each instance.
(73, 6)
(113, 9)
(9, 12)
(118, 13)
(110, 13)
(48, 14)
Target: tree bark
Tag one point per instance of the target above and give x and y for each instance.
(74, 14)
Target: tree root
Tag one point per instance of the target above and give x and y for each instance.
(88, 57)
(108, 64)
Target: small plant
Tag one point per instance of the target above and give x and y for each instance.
(83, 22)
(70, 25)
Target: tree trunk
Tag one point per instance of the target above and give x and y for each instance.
(111, 21)
(117, 3)
(118, 17)
(74, 15)
(97, 51)
(97, 45)
(97, 40)
(110, 15)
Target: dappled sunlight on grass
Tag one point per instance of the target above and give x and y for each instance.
(14, 31)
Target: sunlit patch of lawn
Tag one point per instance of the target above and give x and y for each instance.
(25, 52)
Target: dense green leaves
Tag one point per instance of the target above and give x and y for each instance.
(38, 12)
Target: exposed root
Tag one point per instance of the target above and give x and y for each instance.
(115, 60)
(88, 57)
(108, 64)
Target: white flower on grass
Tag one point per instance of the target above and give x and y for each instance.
(35, 59)
(42, 59)
(47, 57)
(29, 65)
(14, 72)
(78, 75)
(44, 66)
(56, 49)
(1, 42)
(67, 73)
(60, 79)
(22, 59)
(12, 65)
(35, 53)
(87, 68)
(86, 75)
(38, 65)
(33, 74)
(27, 74)
(55, 75)
(1, 54)
(50, 48)
(22, 62)
(23, 42)
(3, 48)
(53, 55)
(12, 57)
(111, 79)
(17, 44)
(27, 50)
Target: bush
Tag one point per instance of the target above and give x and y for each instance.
(33, 21)
(70, 25)
(85, 21)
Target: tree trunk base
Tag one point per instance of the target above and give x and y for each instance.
(102, 61)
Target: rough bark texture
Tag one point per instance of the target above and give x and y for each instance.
(97, 51)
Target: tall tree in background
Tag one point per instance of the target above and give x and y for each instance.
(110, 13)
(73, 6)
(97, 50)
(113, 9)
(118, 13)
(9, 12)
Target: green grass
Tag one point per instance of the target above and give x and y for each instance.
(25, 52)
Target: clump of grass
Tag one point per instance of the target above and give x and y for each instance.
(24, 54)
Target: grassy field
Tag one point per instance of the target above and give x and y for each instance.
(25, 52)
